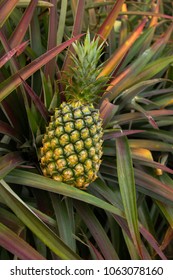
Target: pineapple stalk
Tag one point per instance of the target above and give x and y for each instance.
(72, 144)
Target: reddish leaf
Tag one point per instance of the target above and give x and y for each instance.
(11, 83)
(23, 25)
(17, 50)
(107, 25)
(6, 9)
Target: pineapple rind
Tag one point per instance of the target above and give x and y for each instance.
(72, 145)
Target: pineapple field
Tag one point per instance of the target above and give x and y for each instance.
(86, 130)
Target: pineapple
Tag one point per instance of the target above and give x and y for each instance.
(72, 144)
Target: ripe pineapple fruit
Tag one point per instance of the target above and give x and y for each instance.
(72, 144)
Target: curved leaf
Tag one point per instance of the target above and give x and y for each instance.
(16, 245)
(27, 216)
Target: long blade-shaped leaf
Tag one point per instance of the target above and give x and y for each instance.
(49, 70)
(130, 75)
(77, 27)
(23, 25)
(17, 50)
(107, 25)
(37, 181)
(120, 53)
(127, 188)
(11, 83)
(63, 209)
(9, 161)
(27, 216)
(95, 227)
(6, 9)
(16, 245)
(6, 129)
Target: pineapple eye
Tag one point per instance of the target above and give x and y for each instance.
(98, 145)
(60, 164)
(67, 174)
(79, 124)
(44, 172)
(67, 117)
(83, 156)
(72, 160)
(51, 168)
(92, 151)
(46, 147)
(88, 120)
(84, 133)
(88, 164)
(54, 143)
(58, 121)
(93, 130)
(96, 138)
(43, 161)
(65, 108)
(91, 175)
(86, 110)
(68, 149)
(74, 136)
(51, 134)
(79, 169)
(57, 178)
(88, 143)
(59, 131)
(95, 158)
(95, 116)
(79, 145)
(64, 139)
(80, 181)
(69, 126)
(57, 113)
(57, 153)
(49, 155)
(77, 114)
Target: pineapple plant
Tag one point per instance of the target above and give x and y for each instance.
(72, 144)
(130, 204)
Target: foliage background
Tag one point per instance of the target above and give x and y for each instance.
(127, 213)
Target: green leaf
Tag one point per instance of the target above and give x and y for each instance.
(9, 162)
(128, 189)
(27, 216)
(16, 245)
(63, 209)
(25, 3)
(37, 181)
(151, 145)
(97, 231)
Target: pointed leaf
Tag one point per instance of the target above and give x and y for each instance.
(6, 129)
(108, 24)
(37, 181)
(23, 25)
(123, 49)
(9, 161)
(128, 189)
(16, 245)
(26, 215)
(11, 53)
(11, 83)
(6, 8)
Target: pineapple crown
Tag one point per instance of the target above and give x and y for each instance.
(82, 82)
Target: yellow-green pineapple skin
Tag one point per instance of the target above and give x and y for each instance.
(72, 144)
